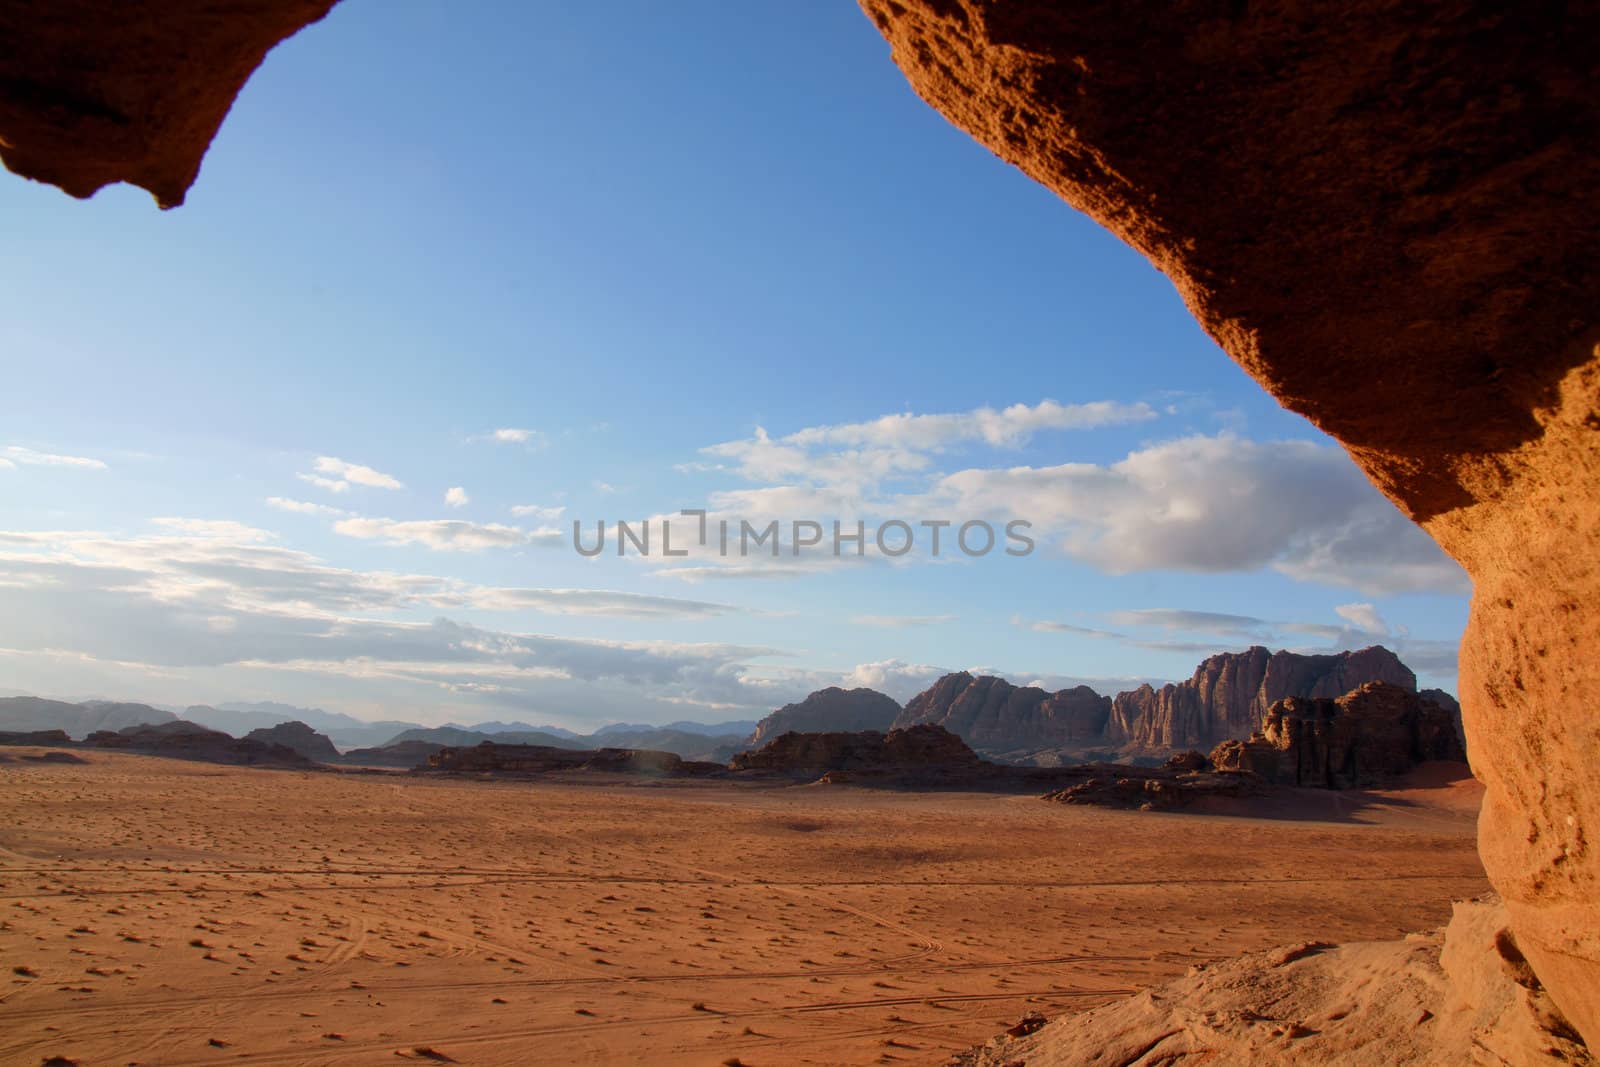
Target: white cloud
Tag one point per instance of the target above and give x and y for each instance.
(1363, 617)
(302, 507)
(1216, 504)
(535, 511)
(332, 485)
(1179, 619)
(216, 529)
(516, 436)
(15, 454)
(1010, 427)
(456, 497)
(453, 535)
(337, 475)
(604, 487)
(6, 464)
(900, 621)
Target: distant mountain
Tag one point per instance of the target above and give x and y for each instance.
(459, 736)
(741, 727)
(346, 731)
(683, 743)
(79, 720)
(1228, 697)
(689, 744)
(831, 710)
(992, 715)
(516, 728)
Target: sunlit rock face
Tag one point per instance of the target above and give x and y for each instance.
(101, 91)
(1387, 217)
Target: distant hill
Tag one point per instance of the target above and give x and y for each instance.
(687, 744)
(740, 727)
(22, 714)
(457, 736)
(346, 731)
(831, 710)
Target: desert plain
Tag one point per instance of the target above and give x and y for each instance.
(158, 912)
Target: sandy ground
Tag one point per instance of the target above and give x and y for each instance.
(159, 912)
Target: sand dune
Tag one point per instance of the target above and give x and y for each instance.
(159, 912)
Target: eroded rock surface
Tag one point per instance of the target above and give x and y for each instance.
(181, 739)
(513, 760)
(830, 710)
(992, 714)
(100, 91)
(1230, 693)
(1451, 998)
(1364, 738)
(1386, 216)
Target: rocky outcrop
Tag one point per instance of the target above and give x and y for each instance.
(398, 754)
(1454, 997)
(1230, 693)
(34, 737)
(299, 737)
(917, 748)
(1386, 218)
(129, 90)
(1364, 738)
(1156, 788)
(522, 760)
(187, 740)
(830, 710)
(992, 714)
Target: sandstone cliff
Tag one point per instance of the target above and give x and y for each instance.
(922, 747)
(1230, 693)
(992, 714)
(299, 737)
(1363, 738)
(830, 710)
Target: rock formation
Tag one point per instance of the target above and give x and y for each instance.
(1229, 694)
(918, 748)
(992, 714)
(96, 92)
(1363, 738)
(1386, 217)
(397, 754)
(34, 737)
(828, 710)
(187, 740)
(299, 737)
(490, 758)
(1457, 996)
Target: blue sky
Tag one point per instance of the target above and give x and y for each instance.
(709, 257)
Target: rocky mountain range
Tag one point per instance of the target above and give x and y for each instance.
(1230, 693)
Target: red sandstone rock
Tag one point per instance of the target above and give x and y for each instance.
(1229, 694)
(1363, 738)
(101, 91)
(1386, 216)
(830, 710)
(992, 714)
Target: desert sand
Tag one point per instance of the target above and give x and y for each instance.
(160, 912)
